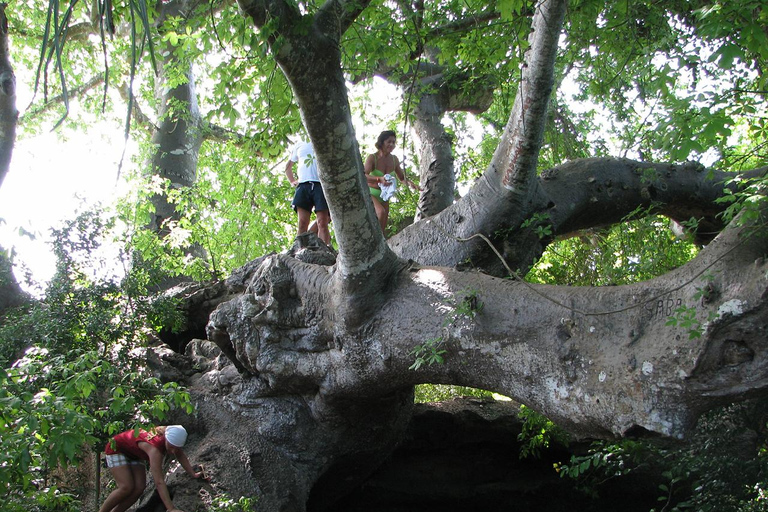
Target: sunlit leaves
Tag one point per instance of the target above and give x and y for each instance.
(632, 252)
(247, 212)
(238, 209)
(674, 84)
(508, 8)
(538, 433)
(740, 24)
(438, 392)
(745, 198)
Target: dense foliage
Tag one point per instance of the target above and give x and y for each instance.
(73, 369)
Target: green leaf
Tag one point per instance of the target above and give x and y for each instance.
(727, 54)
(24, 459)
(507, 8)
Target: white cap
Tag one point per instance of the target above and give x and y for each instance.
(176, 435)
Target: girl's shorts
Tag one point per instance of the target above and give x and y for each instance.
(119, 459)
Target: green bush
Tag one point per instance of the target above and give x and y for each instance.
(73, 369)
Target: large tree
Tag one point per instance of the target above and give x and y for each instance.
(328, 354)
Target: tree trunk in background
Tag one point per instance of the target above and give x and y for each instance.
(8, 113)
(10, 292)
(179, 133)
(437, 179)
(440, 91)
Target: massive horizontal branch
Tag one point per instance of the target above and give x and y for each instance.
(581, 194)
(600, 361)
(601, 191)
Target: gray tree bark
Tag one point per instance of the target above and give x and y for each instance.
(437, 95)
(437, 179)
(9, 114)
(178, 135)
(602, 362)
(11, 294)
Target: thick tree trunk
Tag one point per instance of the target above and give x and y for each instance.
(179, 134)
(11, 294)
(178, 140)
(600, 361)
(577, 195)
(8, 113)
(317, 402)
(437, 180)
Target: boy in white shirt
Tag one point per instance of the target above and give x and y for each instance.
(309, 193)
